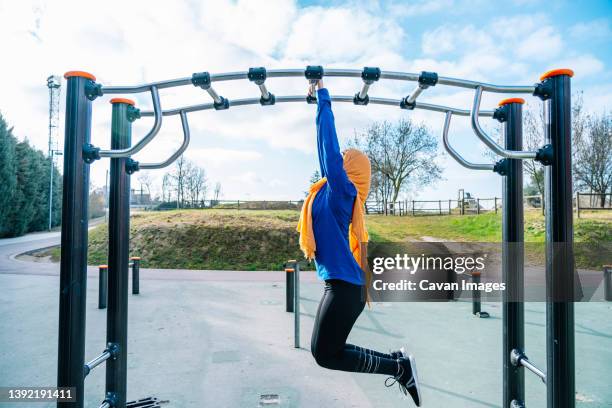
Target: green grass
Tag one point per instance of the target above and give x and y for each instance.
(265, 239)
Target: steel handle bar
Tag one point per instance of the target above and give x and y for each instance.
(97, 361)
(414, 94)
(157, 113)
(454, 154)
(486, 139)
(175, 155)
(301, 98)
(364, 91)
(331, 72)
(518, 358)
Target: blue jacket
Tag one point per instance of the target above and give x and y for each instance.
(332, 208)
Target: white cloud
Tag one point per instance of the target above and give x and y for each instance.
(337, 35)
(222, 157)
(592, 30)
(540, 45)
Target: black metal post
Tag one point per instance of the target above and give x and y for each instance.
(102, 286)
(513, 314)
(135, 275)
(296, 305)
(289, 286)
(607, 281)
(73, 265)
(476, 297)
(560, 268)
(118, 254)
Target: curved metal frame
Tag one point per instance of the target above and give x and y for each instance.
(175, 155)
(454, 154)
(486, 139)
(157, 112)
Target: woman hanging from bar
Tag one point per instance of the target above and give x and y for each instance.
(333, 233)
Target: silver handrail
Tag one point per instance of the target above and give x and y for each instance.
(301, 98)
(157, 113)
(486, 139)
(175, 155)
(454, 154)
(347, 73)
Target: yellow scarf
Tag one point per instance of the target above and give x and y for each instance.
(357, 167)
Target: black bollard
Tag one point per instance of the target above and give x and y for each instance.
(102, 286)
(289, 285)
(135, 275)
(476, 305)
(607, 272)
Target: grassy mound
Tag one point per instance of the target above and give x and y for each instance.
(210, 239)
(265, 239)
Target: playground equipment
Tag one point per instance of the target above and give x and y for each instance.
(79, 154)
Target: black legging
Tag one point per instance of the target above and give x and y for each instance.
(340, 306)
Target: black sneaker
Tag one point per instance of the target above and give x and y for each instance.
(395, 354)
(407, 379)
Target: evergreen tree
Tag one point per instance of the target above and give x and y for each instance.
(8, 175)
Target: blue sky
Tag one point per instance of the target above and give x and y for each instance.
(269, 153)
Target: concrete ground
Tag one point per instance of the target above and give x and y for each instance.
(223, 339)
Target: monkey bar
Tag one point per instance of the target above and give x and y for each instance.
(79, 153)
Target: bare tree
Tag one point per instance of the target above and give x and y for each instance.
(145, 180)
(217, 192)
(177, 178)
(533, 139)
(196, 183)
(592, 158)
(166, 187)
(402, 156)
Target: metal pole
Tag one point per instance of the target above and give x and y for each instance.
(577, 204)
(102, 286)
(513, 315)
(607, 279)
(73, 265)
(118, 253)
(289, 288)
(135, 275)
(296, 304)
(560, 268)
(51, 156)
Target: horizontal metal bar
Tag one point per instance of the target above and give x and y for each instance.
(454, 154)
(97, 361)
(175, 155)
(301, 98)
(332, 72)
(464, 83)
(486, 139)
(157, 112)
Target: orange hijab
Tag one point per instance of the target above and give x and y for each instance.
(357, 167)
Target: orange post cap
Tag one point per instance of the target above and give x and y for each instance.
(557, 72)
(511, 100)
(123, 100)
(82, 74)
(289, 270)
(135, 258)
(103, 266)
